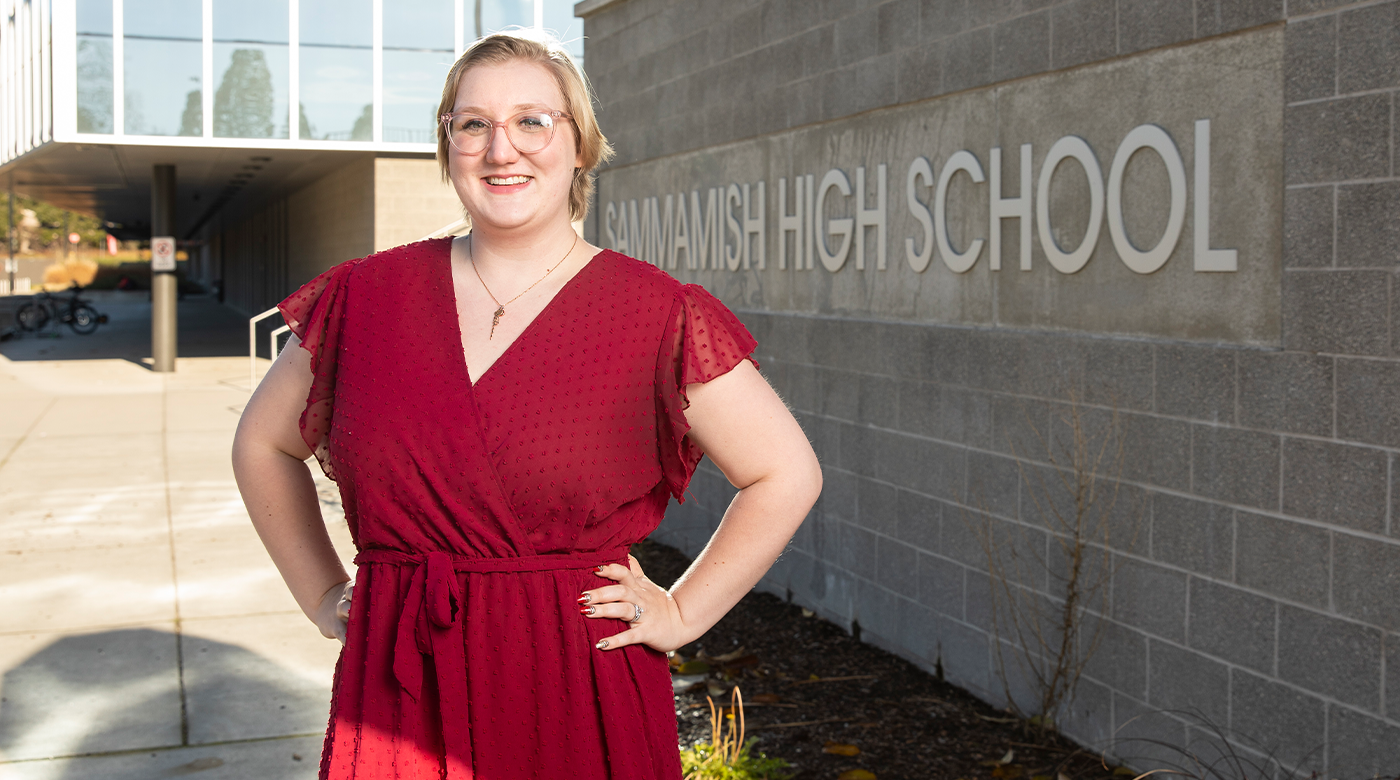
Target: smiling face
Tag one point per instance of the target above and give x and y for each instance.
(502, 189)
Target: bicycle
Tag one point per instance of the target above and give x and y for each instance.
(77, 313)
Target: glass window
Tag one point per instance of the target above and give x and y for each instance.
(94, 66)
(251, 69)
(417, 55)
(337, 70)
(163, 40)
(488, 16)
(559, 19)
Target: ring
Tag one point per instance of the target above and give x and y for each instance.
(638, 615)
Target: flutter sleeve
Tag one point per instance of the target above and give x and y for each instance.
(703, 340)
(315, 314)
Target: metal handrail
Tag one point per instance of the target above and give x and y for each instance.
(253, 345)
(446, 230)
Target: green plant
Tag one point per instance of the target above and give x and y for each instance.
(727, 756)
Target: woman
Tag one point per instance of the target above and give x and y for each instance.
(504, 414)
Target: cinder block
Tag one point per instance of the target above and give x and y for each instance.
(994, 361)
(877, 507)
(1157, 450)
(857, 552)
(1120, 658)
(967, 60)
(993, 484)
(1391, 702)
(878, 611)
(928, 467)
(839, 495)
(1185, 681)
(988, 12)
(1366, 579)
(1369, 39)
(941, 585)
(1196, 382)
(1333, 657)
(1085, 31)
(918, 634)
(1147, 24)
(1150, 598)
(1214, 17)
(1337, 140)
(1288, 724)
(920, 73)
(838, 394)
(896, 567)
(1283, 558)
(1195, 535)
(920, 521)
(1232, 624)
(1367, 231)
(1144, 736)
(1360, 745)
(876, 83)
(1286, 391)
(964, 655)
(942, 18)
(1299, 7)
(978, 609)
(1021, 46)
(1368, 401)
(1308, 226)
(1020, 427)
(1237, 466)
(898, 25)
(950, 414)
(857, 37)
(1118, 374)
(1088, 717)
(1336, 483)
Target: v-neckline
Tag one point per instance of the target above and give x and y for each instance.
(529, 329)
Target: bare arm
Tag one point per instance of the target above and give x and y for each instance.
(269, 463)
(743, 426)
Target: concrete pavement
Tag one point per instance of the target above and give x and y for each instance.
(143, 631)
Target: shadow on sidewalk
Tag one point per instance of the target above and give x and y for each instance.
(207, 328)
(120, 691)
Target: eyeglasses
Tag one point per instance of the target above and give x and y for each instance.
(528, 131)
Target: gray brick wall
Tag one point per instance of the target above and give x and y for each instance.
(1264, 587)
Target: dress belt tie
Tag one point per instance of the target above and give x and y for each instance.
(431, 624)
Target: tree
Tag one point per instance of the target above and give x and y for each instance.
(243, 102)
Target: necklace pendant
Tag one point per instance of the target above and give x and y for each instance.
(495, 320)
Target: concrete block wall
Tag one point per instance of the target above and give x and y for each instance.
(410, 201)
(1263, 590)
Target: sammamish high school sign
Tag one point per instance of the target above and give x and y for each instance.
(1142, 196)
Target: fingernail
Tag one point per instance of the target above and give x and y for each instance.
(585, 598)
(590, 610)
(597, 569)
(602, 645)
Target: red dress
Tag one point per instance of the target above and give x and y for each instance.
(479, 510)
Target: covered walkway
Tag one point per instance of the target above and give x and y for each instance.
(145, 632)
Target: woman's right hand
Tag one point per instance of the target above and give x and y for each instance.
(333, 611)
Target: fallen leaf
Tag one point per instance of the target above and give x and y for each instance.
(693, 667)
(856, 774)
(813, 677)
(727, 657)
(741, 662)
(807, 613)
(715, 689)
(1123, 771)
(1061, 776)
(1008, 771)
(1009, 757)
(766, 698)
(1042, 777)
(840, 749)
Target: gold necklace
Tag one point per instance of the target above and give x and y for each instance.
(501, 307)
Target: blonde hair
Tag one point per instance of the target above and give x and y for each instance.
(543, 49)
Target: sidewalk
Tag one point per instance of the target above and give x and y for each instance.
(144, 632)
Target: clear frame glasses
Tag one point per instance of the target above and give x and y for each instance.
(528, 131)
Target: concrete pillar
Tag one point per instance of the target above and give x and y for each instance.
(164, 288)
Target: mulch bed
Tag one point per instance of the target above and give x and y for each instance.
(905, 722)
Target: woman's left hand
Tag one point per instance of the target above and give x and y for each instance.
(658, 625)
